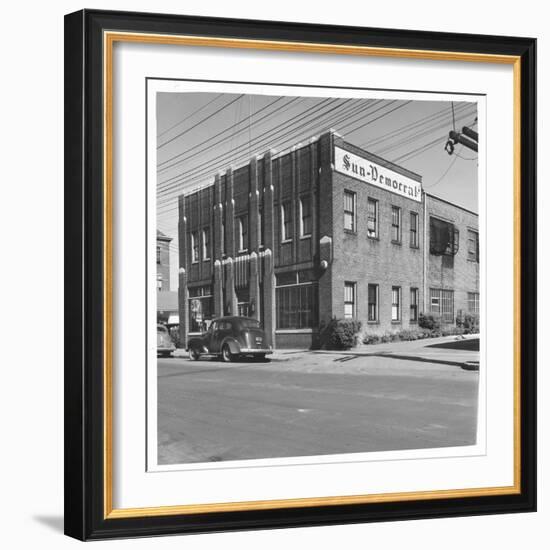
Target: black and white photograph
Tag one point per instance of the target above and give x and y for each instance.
(271, 275)
(315, 274)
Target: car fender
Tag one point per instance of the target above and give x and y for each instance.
(195, 343)
(232, 343)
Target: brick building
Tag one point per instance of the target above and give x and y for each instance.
(163, 261)
(167, 300)
(325, 230)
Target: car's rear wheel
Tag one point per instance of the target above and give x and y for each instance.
(194, 354)
(227, 356)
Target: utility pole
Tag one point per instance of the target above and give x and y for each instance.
(468, 138)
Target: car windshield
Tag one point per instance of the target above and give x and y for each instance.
(250, 323)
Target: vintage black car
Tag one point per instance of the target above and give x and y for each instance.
(230, 338)
(165, 346)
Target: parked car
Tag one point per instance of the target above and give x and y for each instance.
(230, 338)
(165, 346)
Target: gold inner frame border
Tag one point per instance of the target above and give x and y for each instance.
(109, 39)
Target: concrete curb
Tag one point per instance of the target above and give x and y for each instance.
(470, 365)
(420, 358)
(465, 365)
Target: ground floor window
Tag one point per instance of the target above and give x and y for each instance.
(200, 308)
(243, 302)
(372, 303)
(243, 309)
(442, 303)
(396, 303)
(473, 302)
(349, 300)
(296, 300)
(414, 305)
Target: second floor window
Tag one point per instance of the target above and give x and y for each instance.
(305, 216)
(395, 224)
(261, 226)
(349, 211)
(242, 227)
(194, 246)
(158, 254)
(286, 221)
(414, 230)
(473, 245)
(206, 243)
(372, 218)
(444, 237)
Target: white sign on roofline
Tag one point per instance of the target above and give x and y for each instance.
(370, 172)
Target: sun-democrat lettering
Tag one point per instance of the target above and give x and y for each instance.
(370, 172)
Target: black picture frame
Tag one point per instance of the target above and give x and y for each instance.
(85, 497)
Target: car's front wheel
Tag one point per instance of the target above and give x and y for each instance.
(194, 354)
(227, 356)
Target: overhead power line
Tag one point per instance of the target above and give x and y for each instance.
(407, 134)
(361, 125)
(200, 122)
(411, 126)
(431, 186)
(355, 115)
(182, 156)
(390, 146)
(194, 113)
(266, 136)
(418, 135)
(345, 115)
(347, 123)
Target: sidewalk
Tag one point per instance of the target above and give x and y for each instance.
(427, 350)
(446, 350)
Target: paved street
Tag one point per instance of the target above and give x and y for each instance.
(311, 403)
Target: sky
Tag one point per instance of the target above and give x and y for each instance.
(200, 134)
